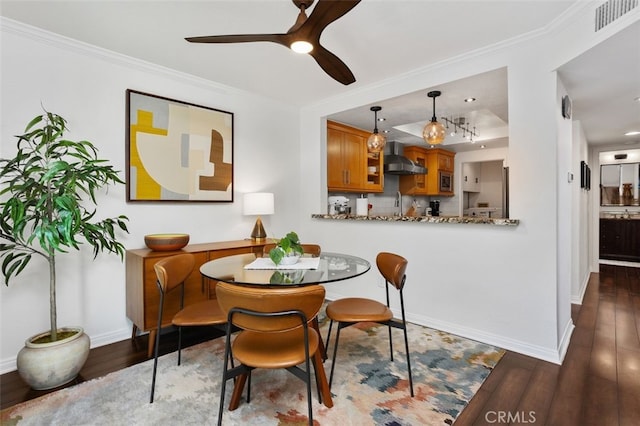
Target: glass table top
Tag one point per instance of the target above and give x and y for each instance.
(332, 267)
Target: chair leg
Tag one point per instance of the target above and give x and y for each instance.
(157, 347)
(249, 388)
(390, 341)
(224, 377)
(308, 380)
(335, 350)
(326, 345)
(179, 345)
(406, 348)
(155, 367)
(321, 380)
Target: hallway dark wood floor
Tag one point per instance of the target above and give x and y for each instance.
(599, 380)
(598, 383)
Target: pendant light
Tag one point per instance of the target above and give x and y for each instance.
(376, 141)
(434, 132)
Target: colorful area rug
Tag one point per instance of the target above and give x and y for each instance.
(368, 389)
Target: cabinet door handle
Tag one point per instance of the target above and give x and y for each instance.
(348, 177)
(465, 178)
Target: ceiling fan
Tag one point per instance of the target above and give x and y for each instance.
(303, 36)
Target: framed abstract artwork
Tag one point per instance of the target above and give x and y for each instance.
(177, 151)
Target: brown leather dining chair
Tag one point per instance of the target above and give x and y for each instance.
(274, 333)
(353, 310)
(312, 250)
(171, 273)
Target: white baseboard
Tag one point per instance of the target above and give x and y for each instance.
(546, 354)
(564, 341)
(619, 263)
(576, 299)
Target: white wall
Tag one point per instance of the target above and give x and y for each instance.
(505, 293)
(498, 285)
(87, 86)
(566, 213)
(580, 268)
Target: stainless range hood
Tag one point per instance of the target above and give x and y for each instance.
(397, 164)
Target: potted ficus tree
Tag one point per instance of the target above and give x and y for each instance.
(47, 197)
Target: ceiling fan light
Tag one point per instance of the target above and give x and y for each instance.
(433, 133)
(301, 46)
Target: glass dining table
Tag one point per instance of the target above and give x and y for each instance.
(327, 268)
(251, 270)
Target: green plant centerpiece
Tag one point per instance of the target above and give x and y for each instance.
(48, 193)
(287, 250)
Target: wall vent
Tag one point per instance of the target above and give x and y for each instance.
(620, 156)
(612, 10)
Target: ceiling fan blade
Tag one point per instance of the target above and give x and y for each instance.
(332, 65)
(240, 38)
(324, 13)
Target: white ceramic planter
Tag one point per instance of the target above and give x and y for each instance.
(49, 365)
(290, 259)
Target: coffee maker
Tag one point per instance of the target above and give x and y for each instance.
(435, 207)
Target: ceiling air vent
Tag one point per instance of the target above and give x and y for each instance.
(612, 10)
(620, 156)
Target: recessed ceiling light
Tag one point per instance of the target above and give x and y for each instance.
(637, 99)
(632, 133)
(483, 146)
(385, 131)
(381, 119)
(470, 100)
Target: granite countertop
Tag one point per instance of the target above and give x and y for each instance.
(620, 215)
(422, 219)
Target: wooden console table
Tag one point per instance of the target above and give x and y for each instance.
(142, 292)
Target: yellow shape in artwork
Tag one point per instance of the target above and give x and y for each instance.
(146, 187)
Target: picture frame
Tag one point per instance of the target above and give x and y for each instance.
(585, 176)
(177, 151)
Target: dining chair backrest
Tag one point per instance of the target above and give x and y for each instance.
(174, 270)
(393, 268)
(312, 250)
(308, 299)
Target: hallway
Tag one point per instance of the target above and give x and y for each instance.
(599, 381)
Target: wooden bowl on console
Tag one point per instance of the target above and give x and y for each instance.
(166, 242)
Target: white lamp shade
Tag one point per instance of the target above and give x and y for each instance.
(258, 203)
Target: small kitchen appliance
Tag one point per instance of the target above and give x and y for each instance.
(339, 205)
(435, 207)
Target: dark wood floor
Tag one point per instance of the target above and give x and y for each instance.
(599, 380)
(598, 383)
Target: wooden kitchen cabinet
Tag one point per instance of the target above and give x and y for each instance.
(142, 291)
(415, 184)
(348, 161)
(445, 160)
(620, 239)
(440, 164)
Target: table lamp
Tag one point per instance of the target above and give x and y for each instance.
(258, 203)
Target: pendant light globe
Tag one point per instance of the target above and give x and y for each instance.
(376, 141)
(434, 132)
